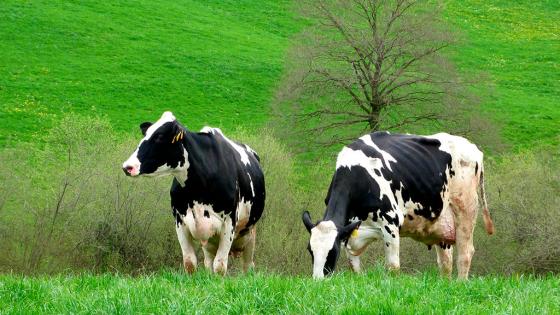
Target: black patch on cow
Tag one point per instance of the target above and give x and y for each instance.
(377, 172)
(420, 170)
(217, 177)
(206, 213)
(410, 217)
(332, 256)
(388, 229)
(476, 168)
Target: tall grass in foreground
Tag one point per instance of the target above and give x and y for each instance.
(67, 205)
(376, 292)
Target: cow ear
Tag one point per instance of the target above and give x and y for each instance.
(307, 221)
(144, 126)
(346, 231)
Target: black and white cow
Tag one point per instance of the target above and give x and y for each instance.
(391, 185)
(217, 194)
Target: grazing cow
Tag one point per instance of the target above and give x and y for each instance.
(391, 185)
(217, 194)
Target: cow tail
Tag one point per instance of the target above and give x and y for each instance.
(488, 224)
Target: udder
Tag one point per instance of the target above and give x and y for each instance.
(204, 222)
(439, 231)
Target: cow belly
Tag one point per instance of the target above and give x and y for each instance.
(368, 231)
(206, 224)
(203, 222)
(441, 230)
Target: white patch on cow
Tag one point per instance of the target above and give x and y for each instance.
(240, 149)
(368, 231)
(203, 227)
(386, 156)
(250, 150)
(133, 163)
(165, 118)
(207, 129)
(323, 236)
(242, 153)
(181, 173)
(243, 212)
(349, 158)
(251, 182)
(406, 206)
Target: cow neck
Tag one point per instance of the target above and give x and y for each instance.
(198, 147)
(337, 210)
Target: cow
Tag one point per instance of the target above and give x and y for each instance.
(390, 185)
(217, 194)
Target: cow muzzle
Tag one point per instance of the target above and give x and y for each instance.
(131, 170)
(128, 170)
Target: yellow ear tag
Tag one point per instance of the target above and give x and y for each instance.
(178, 136)
(354, 233)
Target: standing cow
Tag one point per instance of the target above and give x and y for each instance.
(391, 185)
(217, 194)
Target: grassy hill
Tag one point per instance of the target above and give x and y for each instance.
(211, 62)
(217, 62)
(373, 293)
(518, 44)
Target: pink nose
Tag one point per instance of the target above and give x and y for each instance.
(128, 170)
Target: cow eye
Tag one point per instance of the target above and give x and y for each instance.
(159, 138)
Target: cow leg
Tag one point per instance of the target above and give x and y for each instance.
(249, 250)
(209, 254)
(187, 247)
(392, 244)
(226, 239)
(465, 208)
(445, 260)
(353, 260)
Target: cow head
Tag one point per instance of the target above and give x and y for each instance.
(161, 151)
(324, 244)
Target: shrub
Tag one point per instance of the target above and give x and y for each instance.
(69, 206)
(66, 204)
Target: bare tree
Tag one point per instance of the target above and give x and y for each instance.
(365, 65)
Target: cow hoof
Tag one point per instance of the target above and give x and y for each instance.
(394, 269)
(220, 268)
(249, 267)
(189, 266)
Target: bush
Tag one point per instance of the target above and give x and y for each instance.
(66, 204)
(524, 199)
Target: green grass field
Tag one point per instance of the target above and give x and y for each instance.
(211, 62)
(218, 62)
(376, 292)
(518, 44)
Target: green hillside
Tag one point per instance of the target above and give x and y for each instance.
(211, 62)
(518, 44)
(217, 62)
